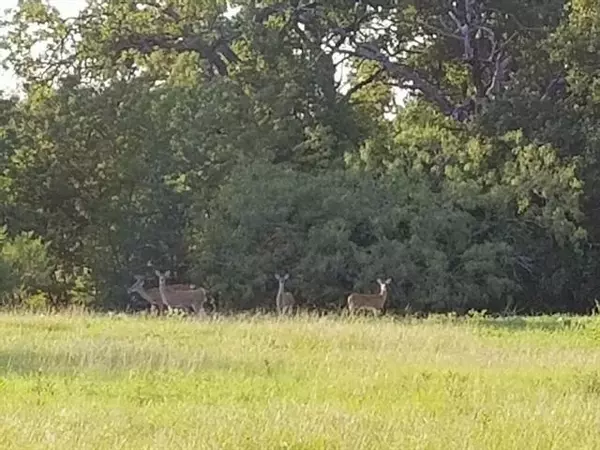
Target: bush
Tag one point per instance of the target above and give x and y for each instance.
(337, 232)
(25, 268)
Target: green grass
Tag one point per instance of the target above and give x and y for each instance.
(123, 382)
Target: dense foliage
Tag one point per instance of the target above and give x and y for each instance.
(451, 146)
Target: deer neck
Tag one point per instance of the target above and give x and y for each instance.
(145, 295)
(384, 294)
(280, 292)
(162, 289)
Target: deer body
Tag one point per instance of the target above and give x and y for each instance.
(373, 302)
(175, 298)
(284, 300)
(152, 295)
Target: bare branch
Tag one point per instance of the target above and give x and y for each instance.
(455, 20)
(403, 73)
(439, 31)
(358, 86)
(212, 52)
(557, 87)
(498, 75)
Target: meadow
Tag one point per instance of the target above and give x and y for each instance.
(85, 381)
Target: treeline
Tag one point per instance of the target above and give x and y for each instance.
(454, 150)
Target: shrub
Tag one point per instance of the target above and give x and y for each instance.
(339, 231)
(25, 268)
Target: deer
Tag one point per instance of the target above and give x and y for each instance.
(283, 300)
(177, 298)
(374, 302)
(152, 295)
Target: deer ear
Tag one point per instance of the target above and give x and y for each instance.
(157, 273)
(167, 273)
(388, 281)
(287, 275)
(277, 276)
(379, 281)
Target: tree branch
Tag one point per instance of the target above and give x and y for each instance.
(403, 73)
(214, 52)
(358, 86)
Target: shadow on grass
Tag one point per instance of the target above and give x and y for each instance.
(117, 361)
(51, 327)
(545, 323)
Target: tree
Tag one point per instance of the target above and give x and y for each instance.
(137, 118)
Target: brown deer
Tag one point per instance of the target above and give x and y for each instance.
(374, 302)
(187, 299)
(152, 295)
(283, 300)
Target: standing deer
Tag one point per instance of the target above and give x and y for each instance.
(374, 302)
(152, 295)
(284, 300)
(175, 298)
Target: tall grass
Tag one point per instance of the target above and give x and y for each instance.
(124, 382)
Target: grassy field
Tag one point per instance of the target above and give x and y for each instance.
(124, 382)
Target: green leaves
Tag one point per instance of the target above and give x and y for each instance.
(176, 133)
(25, 267)
(338, 232)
